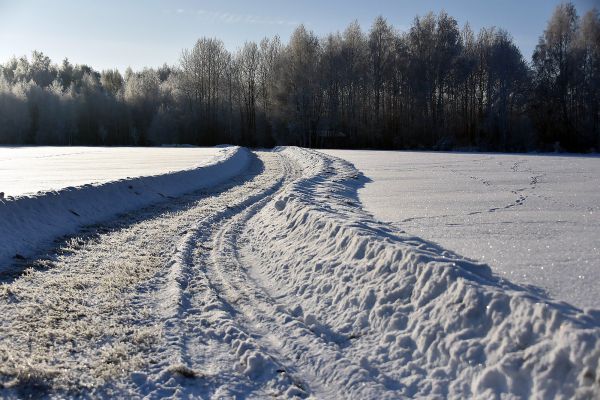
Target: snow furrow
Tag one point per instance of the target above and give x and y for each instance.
(30, 223)
(420, 320)
(277, 284)
(96, 314)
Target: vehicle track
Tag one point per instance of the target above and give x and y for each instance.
(127, 307)
(202, 311)
(168, 302)
(314, 362)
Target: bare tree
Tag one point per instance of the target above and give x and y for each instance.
(299, 94)
(554, 64)
(434, 86)
(248, 61)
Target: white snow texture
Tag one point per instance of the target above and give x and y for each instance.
(533, 218)
(277, 285)
(28, 223)
(418, 320)
(26, 170)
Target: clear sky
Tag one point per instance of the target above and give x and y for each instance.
(121, 33)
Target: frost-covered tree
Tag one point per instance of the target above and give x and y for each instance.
(41, 70)
(142, 95)
(112, 82)
(14, 115)
(65, 74)
(433, 86)
(201, 81)
(248, 60)
(299, 95)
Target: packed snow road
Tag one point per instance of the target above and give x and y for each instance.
(278, 284)
(129, 297)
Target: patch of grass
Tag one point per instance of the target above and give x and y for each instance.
(183, 370)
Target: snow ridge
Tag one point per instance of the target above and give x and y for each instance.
(29, 223)
(418, 320)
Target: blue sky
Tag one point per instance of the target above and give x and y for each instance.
(111, 33)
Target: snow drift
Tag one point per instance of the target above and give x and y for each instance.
(29, 223)
(421, 321)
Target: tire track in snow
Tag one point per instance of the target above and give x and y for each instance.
(195, 307)
(272, 333)
(91, 319)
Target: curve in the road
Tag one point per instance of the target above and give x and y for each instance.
(278, 284)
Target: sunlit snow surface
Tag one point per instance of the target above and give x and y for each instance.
(86, 186)
(535, 219)
(27, 170)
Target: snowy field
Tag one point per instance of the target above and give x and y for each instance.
(271, 281)
(27, 170)
(86, 185)
(535, 219)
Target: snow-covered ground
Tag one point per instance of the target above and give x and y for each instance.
(28, 223)
(535, 219)
(277, 284)
(27, 170)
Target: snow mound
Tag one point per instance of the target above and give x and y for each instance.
(29, 223)
(422, 321)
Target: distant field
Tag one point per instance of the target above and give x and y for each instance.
(535, 219)
(27, 170)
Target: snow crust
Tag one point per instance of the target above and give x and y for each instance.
(29, 223)
(413, 319)
(534, 218)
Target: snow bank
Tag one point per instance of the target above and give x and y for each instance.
(530, 217)
(26, 170)
(29, 223)
(420, 320)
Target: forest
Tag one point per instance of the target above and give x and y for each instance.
(436, 86)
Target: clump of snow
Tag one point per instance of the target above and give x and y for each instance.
(417, 319)
(29, 223)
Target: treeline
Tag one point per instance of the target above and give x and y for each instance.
(436, 86)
